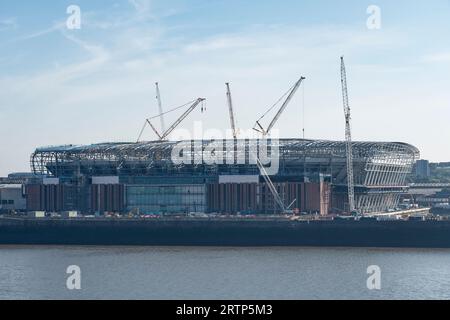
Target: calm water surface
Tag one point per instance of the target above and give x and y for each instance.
(39, 272)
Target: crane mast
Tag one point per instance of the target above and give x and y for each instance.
(158, 97)
(348, 139)
(154, 129)
(230, 108)
(271, 186)
(273, 189)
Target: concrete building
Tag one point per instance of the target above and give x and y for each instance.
(12, 198)
(422, 169)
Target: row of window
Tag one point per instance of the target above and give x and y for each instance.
(7, 202)
(158, 209)
(135, 199)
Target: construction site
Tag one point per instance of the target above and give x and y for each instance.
(313, 176)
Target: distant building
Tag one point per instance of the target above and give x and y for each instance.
(19, 178)
(438, 199)
(12, 198)
(422, 169)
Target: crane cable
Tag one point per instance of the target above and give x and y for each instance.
(172, 110)
(278, 101)
(159, 115)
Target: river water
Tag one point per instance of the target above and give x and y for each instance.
(39, 272)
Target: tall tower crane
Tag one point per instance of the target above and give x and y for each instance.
(258, 127)
(348, 139)
(158, 97)
(230, 108)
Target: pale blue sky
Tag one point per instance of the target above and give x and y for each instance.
(60, 86)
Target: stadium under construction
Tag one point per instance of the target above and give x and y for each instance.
(246, 176)
(144, 178)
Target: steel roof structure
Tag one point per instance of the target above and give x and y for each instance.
(380, 168)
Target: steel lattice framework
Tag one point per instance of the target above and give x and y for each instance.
(380, 168)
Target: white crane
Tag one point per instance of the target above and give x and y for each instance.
(230, 109)
(259, 128)
(273, 189)
(269, 183)
(165, 134)
(348, 139)
(158, 98)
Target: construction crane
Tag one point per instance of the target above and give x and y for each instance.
(272, 189)
(348, 139)
(230, 109)
(165, 134)
(158, 98)
(259, 128)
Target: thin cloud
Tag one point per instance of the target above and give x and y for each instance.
(55, 27)
(142, 7)
(8, 24)
(99, 57)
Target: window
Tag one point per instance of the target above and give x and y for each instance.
(10, 201)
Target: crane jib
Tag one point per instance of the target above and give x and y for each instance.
(282, 108)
